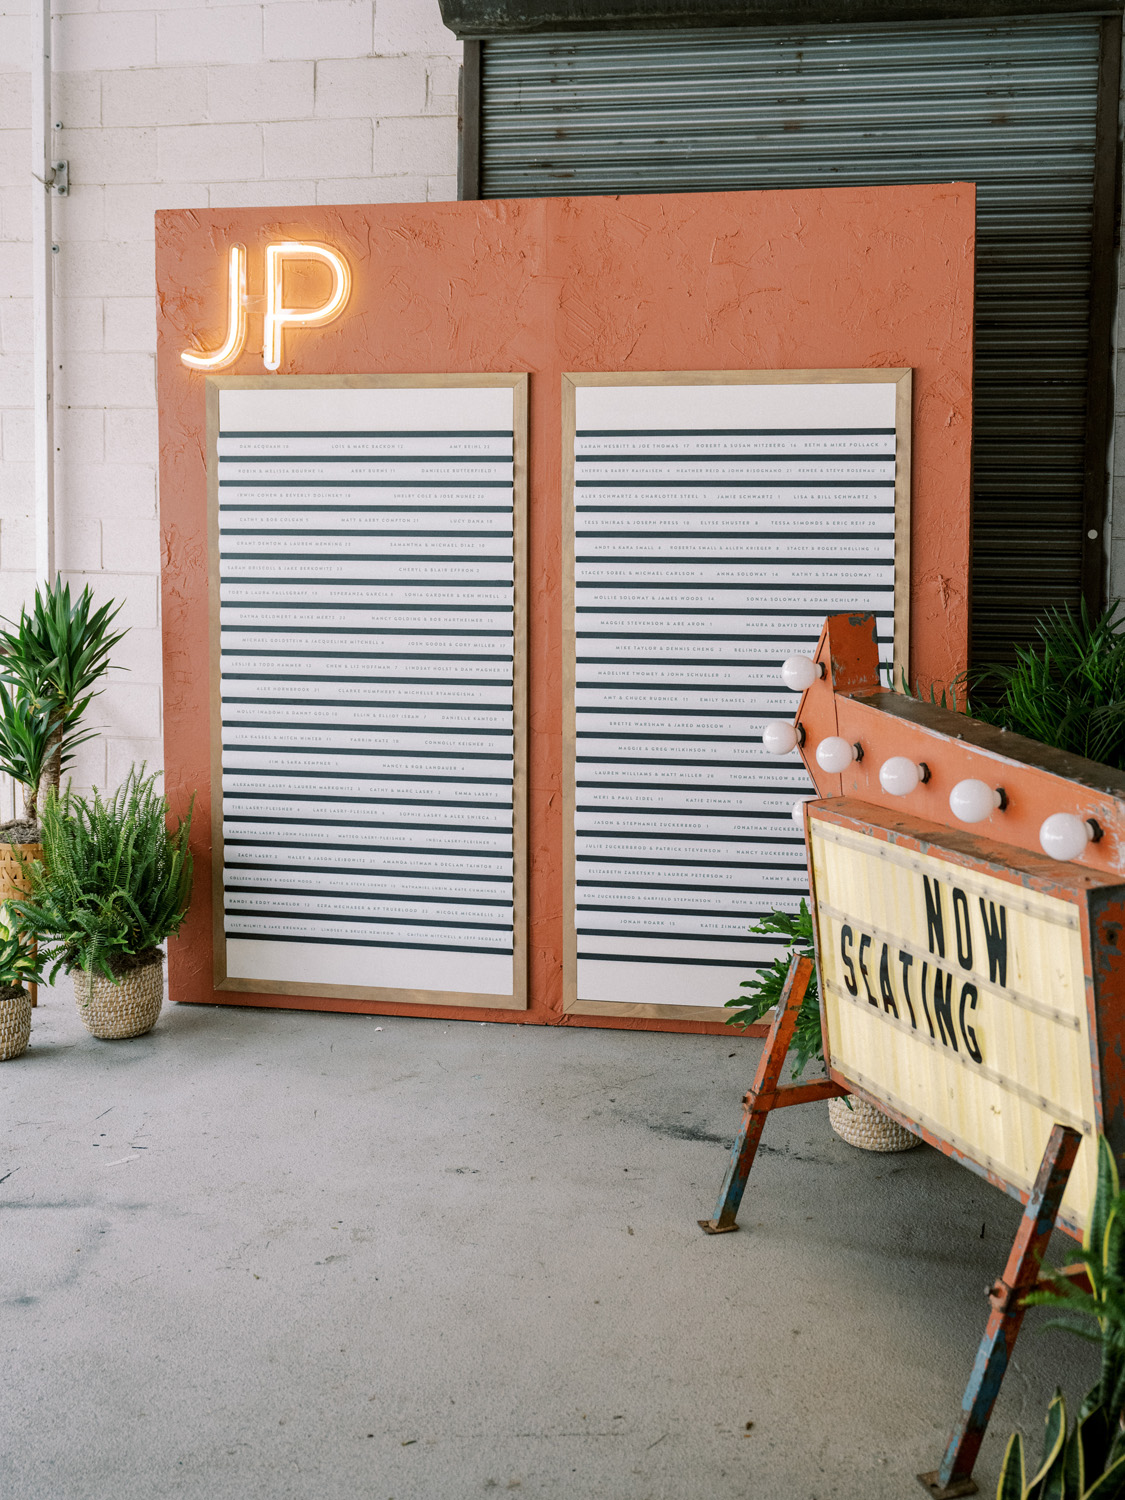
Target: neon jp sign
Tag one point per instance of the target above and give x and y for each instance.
(277, 316)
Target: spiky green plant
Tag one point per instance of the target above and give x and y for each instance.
(764, 990)
(1066, 690)
(28, 733)
(113, 883)
(1088, 1461)
(19, 964)
(51, 658)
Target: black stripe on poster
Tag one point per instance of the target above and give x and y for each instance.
(373, 871)
(358, 921)
(665, 432)
(278, 937)
(381, 432)
(686, 963)
(721, 484)
(489, 510)
(346, 895)
(364, 484)
(451, 754)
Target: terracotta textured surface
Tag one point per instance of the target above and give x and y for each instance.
(835, 278)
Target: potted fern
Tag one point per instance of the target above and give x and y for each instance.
(18, 968)
(113, 883)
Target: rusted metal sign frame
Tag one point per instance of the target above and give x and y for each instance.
(850, 701)
(1098, 899)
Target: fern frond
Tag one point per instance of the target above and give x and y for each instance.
(114, 881)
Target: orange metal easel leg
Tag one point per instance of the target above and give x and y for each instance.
(954, 1477)
(766, 1094)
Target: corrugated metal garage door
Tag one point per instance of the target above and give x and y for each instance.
(1011, 107)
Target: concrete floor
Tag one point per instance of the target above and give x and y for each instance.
(259, 1255)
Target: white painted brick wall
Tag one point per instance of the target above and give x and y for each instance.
(183, 104)
(177, 104)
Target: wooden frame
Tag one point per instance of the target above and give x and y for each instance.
(902, 379)
(518, 384)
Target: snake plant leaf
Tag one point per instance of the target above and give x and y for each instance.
(1110, 1485)
(1054, 1438)
(1011, 1486)
(1093, 1433)
(1108, 1186)
(1113, 1245)
(1072, 1480)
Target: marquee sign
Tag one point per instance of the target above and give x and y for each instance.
(954, 990)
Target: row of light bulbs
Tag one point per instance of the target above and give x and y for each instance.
(1063, 835)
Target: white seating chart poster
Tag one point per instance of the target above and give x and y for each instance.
(368, 726)
(714, 520)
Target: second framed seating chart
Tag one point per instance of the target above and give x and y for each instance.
(712, 520)
(367, 562)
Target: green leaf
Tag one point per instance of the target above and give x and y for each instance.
(1011, 1486)
(796, 928)
(1107, 1188)
(1054, 1436)
(1093, 1434)
(1068, 1480)
(1110, 1485)
(1067, 690)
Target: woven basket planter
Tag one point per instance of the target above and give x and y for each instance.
(15, 1024)
(129, 1008)
(13, 882)
(869, 1128)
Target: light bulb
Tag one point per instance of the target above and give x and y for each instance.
(798, 813)
(972, 801)
(1065, 836)
(899, 776)
(779, 737)
(835, 754)
(800, 672)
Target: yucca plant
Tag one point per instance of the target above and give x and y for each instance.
(50, 660)
(1067, 690)
(113, 883)
(1086, 1462)
(764, 990)
(30, 734)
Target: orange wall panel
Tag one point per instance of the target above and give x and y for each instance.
(832, 278)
